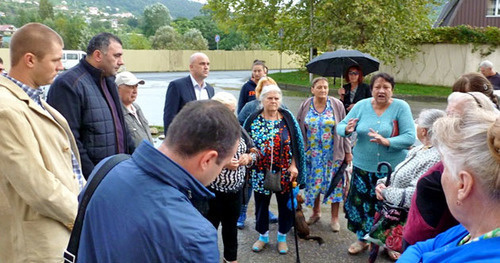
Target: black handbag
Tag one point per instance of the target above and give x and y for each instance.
(272, 180)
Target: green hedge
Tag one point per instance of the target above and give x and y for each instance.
(462, 34)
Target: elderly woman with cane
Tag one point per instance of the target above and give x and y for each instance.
(404, 180)
(277, 136)
(470, 148)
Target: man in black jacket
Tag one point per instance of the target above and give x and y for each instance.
(184, 90)
(87, 96)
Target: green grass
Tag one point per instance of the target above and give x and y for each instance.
(301, 78)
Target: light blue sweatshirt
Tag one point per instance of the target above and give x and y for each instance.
(366, 154)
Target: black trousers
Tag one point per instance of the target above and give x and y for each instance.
(225, 209)
(285, 215)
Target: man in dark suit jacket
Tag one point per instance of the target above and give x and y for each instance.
(184, 90)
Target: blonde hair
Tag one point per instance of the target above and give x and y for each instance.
(463, 101)
(264, 81)
(225, 98)
(471, 142)
(34, 38)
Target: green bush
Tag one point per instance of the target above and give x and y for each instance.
(462, 34)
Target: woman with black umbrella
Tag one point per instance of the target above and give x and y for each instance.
(355, 90)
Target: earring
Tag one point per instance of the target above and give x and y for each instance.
(458, 203)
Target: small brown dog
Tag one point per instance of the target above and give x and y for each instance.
(303, 230)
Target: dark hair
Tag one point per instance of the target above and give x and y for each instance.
(1, 60)
(386, 77)
(475, 82)
(262, 63)
(101, 42)
(203, 125)
(360, 76)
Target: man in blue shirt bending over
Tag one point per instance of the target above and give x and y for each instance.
(143, 210)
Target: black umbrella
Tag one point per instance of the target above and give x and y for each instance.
(336, 179)
(333, 64)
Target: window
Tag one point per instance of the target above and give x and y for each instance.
(72, 56)
(494, 8)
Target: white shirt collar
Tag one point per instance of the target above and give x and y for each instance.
(196, 83)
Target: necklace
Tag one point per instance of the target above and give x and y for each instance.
(492, 234)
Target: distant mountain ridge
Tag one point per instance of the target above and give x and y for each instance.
(178, 8)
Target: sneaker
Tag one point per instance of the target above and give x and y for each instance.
(272, 218)
(240, 224)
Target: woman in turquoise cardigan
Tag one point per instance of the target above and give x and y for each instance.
(385, 131)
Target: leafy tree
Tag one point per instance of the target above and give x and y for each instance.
(45, 9)
(182, 24)
(72, 29)
(194, 40)
(155, 17)
(166, 38)
(135, 41)
(26, 16)
(383, 28)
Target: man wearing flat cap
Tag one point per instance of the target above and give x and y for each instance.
(135, 121)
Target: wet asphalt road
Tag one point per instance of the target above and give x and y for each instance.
(333, 250)
(152, 97)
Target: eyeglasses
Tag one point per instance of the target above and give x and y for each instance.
(353, 73)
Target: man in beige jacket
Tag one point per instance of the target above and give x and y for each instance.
(40, 175)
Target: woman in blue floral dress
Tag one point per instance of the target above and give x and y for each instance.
(325, 150)
(274, 129)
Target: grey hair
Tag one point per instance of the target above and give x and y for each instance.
(427, 117)
(225, 98)
(486, 64)
(270, 88)
(463, 142)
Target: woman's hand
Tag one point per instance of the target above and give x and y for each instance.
(350, 106)
(377, 138)
(233, 164)
(378, 191)
(351, 126)
(348, 158)
(341, 93)
(294, 172)
(245, 159)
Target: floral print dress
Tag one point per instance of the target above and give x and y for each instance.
(269, 135)
(320, 166)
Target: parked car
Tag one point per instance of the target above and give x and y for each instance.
(71, 58)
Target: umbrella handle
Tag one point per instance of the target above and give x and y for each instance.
(389, 171)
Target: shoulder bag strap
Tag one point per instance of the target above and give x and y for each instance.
(72, 251)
